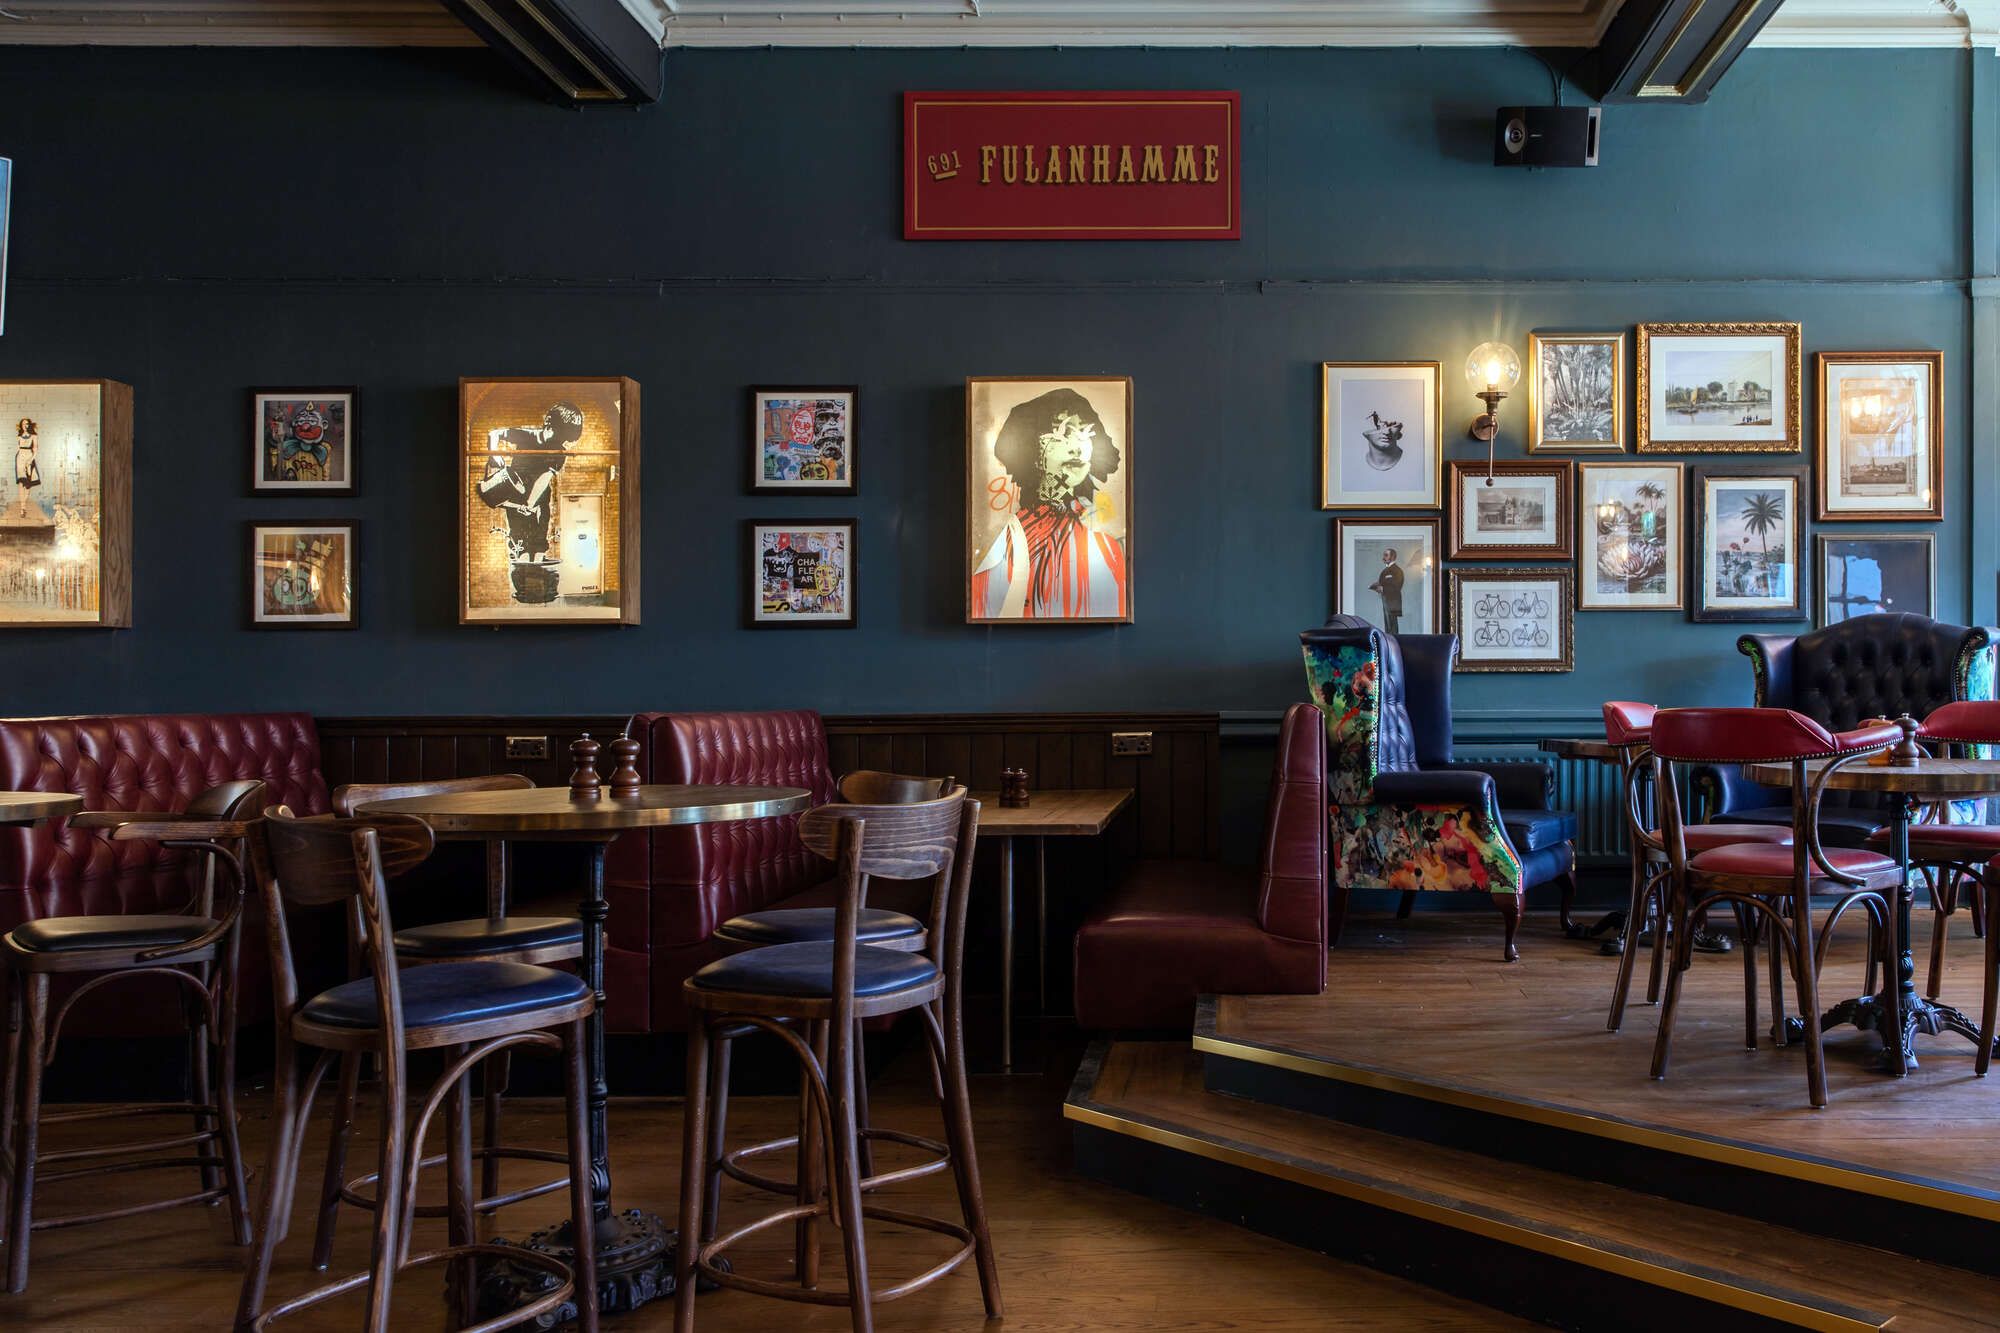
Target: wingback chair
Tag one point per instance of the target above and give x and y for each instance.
(1404, 813)
(1871, 666)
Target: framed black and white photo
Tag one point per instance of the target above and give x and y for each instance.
(1513, 619)
(1576, 393)
(1629, 543)
(802, 440)
(1876, 572)
(1386, 571)
(801, 574)
(1379, 441)
(1719, 388)
(1515, 511)
(1881, 435)
(1749, 543)
(304, 441)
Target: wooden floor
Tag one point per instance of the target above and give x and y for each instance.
(1429, 999)
(1074, 1255)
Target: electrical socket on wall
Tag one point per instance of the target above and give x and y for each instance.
(527, 747)
(1131, 742)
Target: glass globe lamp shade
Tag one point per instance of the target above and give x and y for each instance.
(1492, 366)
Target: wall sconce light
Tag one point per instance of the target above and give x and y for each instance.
(1491, 370)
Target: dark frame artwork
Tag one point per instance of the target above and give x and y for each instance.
(1562, 471)
(1700, 606)
(759, 484)
(253, 529)
(1902, 556)
(754, 577)
(1562, 611)
(350, 396)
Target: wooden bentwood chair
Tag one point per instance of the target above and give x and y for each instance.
(825, 988)
(1765, 881)
(495, 938)
(196, 950)
(469, 1010)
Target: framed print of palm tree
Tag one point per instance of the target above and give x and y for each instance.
(1749, 540)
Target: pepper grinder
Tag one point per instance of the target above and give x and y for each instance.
(1014, 788)
(625, 779)
(1906, 753)
(584, 783)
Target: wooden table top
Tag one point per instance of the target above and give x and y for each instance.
(1056, 813)
(1580, 747)
(27, 807)
(551, 810)
(1937, 778)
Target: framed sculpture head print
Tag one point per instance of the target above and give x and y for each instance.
(549, 501)
(1379, 441)
(1048, 500)
(66, 519)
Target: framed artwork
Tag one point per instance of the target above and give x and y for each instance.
(1048, 504)
(802, 440)
(303, 441)
(1629, 518)
(1877, 571)
(66, 520)
(6, 211)
(801, 574)
(1576, 393)
(1379, 441)
(1749, 538)
(1518, 511)
(304, 575)
(1386, 571)
(1881, 435)
(1719, 388)
(548, 501)
(1513, 619)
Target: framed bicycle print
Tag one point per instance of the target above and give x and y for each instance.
(1513, 619)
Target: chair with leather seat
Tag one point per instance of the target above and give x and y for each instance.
(1777, 883)
(196, 949)
(498, 936)
(1954, 855)
(467, 1011)
(811, 995)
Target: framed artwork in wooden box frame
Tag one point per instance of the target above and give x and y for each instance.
(1389, 571)
(1520, 511)
(304, 574)
(1629, 546)
(1881, 435)
(305, 441)
(1513, 619)
(66, 519)
(1048, 500)
(1738, 514)
(800, 573)
(1576, 393)
(802, 440)
(1719, 388)
(1861, 573)
(548, 501)
(1380, 434)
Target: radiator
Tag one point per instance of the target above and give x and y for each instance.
(1591, 789)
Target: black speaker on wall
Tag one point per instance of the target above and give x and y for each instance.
(1545, 136)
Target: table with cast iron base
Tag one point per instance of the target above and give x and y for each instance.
(635, 1249)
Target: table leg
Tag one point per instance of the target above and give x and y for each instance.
(1006, 955)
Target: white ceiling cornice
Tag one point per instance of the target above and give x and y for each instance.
(1884, 23)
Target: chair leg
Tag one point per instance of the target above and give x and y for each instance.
(279, 1179)
(386, 1254)
(1663, 939)
(27, 1127)
(846, 1157)
(9, 1090)
(1336, 913)
(1989, 1007)
(965, 1164)
(1407, 905)
(1944, 905)
(1774, 964)
(1566, 882)
(1870, 971)
(1681, 942)
(1975, 888)
(1635, 916)
(462, 1218)
(718, 1125)
(582, 1213)
(225, 1104)
(493, 1087)
(694, 1142)
(1510, 914)
(861, 1100)
(1748, 926)
(200, 1082)
(811, 1172)
(335, 1177)
(1805, 982)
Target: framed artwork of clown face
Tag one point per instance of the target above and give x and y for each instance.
(303, 441)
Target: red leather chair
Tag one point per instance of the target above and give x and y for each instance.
(1954, 854)
(1176, 930)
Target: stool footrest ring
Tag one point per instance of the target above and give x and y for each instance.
(350, 1193)
(732, 1162)
(541, 1305)
(706, 1259)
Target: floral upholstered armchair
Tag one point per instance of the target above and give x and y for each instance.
(1404, 814)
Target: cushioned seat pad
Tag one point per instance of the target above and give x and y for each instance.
(1758, 858)
(64, 934)
(797, 925)
(1950, 840)
(1839, 825)
(450, 993)
(806, 970)
(1532, 830)
(455, 939)
(1707, 837)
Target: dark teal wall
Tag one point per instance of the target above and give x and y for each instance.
(194, 222)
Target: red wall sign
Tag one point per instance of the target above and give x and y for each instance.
(1092, 166)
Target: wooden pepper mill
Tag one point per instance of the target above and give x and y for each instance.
(625, 779)
(1014, 788)
(1906, 753)
(584, 783)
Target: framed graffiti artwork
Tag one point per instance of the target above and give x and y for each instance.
(66, 519)
(548, 498)
(1513, 619)
(1048, 500)
(801, 574)
(802, 440)
(303, 441)
(303, 575)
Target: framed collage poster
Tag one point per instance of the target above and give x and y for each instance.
(1629, 520)
(548, 501)
(1881, 435)
(801, 573)
(303, 575)
(1517, 511)
(1513, 619)
(1749, 543)
(1719, 388)
(303, 441)
(1379, 441)
(1576, 393)
(1048, 503)
(66, 519)
(1386, 571)
(1876, 572)
(802, 440)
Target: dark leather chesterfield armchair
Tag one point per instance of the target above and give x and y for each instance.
(1405, 813)
(1871, 666)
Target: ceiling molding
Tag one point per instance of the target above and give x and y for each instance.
(232, 23)
(1884, 23)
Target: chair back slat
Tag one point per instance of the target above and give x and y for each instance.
(900, 842)
(870, 786)
(351, 797)
(314, 860)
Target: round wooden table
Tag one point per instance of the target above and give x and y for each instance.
(1898, 1013)
(635, 1249)
(32, 807)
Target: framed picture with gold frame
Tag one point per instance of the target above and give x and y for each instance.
(1513, 619)
(1629, 543)
(1576, 393)
(66, 519)
(1719, 389)
(548, 501)
(1520, 510)
(1881, 435)
(1380, 435)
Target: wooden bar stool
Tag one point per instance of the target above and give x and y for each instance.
(469, 1011)
(825, 987)
(196, 950)
(495, 938)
